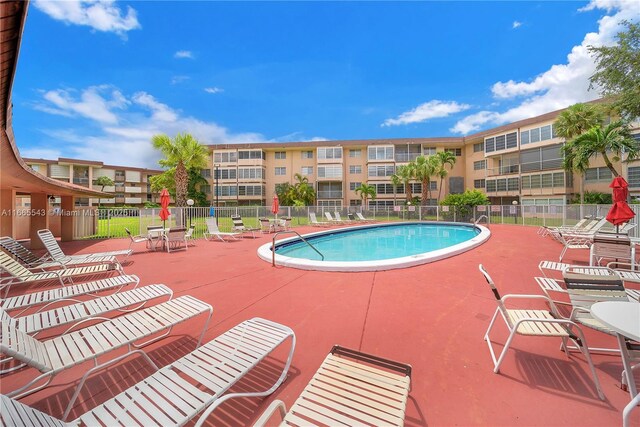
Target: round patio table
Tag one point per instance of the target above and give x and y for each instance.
(624, 318)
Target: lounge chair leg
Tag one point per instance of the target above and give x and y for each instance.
(626, 412)
(584, 349)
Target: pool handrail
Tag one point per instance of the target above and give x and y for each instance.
(273, 245)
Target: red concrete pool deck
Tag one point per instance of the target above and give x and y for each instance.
(432, 316)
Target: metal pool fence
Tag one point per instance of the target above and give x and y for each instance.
(110, 223)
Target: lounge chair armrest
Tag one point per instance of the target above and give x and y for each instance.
(268, 413)
(89, 319)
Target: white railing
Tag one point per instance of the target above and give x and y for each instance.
(111, 222)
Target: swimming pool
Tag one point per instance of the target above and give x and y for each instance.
(377, 247)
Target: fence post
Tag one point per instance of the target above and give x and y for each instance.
(501, 214)
(108, 223)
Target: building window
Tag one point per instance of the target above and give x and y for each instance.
(281, 155)
(281, 171)
(478, 183)
(598, 174)
(501, 142)
(354, 185)
(227, 173)
(543, 158)
(228, 157)
(251, 155)
(250, 190)
(205, 173)
(634, 177)
(543, 133)
(380, 153)
(206, 189)
(478, 147)
(330, 172)
(330, 203)
(227, 190)
(306, 170)
(547, 180)
(455, 151)
(479, 165)
(381, 170)
(355, 202)
(428, 151)
(326, 153)
(307, 154)
(355, 169)
(355, 153)
(251, 173)
(380, 203)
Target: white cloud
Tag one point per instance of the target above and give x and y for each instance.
(213, 90)
(125, 127)
(101, 15)
(562, 84)
(179, 79)
(184, 54)
(428, 110)
(516, 24)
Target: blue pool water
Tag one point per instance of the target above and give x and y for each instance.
(379, 243)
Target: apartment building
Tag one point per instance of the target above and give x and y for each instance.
(132, 186)
(519, 162)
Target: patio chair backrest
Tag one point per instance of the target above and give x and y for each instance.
(176, 233)
(12, 266)
(154, 227)
(190, 231)
(359, 215)
(13, 247)
(351, 217)
(312, 217)
(496, 294)
(337, 215)
(21, 346)
(328, 215)
(212, 227)
(237, 221)
(51, 244)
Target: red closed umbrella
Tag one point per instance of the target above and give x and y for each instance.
(620, 212)
(275, 206)
(164, 205)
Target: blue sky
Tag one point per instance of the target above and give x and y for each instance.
(96, 79)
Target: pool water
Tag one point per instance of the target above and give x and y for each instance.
(379, 243)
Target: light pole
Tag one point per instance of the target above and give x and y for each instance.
(216, 174)
(515, 211)
(190, 204)
(408, 210)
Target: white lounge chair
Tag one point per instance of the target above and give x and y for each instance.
(55, 252)
(18, 274)
(580, 225)
(32, 261)
(214, 231)
(55, 355)
(350, 388)
(238, 225)
(314, 221)
(362, 218)
(336, 214)
(132, 300)
(137, 239)
(539, 323)
(573, 242)
(194, 384)
(25, 301)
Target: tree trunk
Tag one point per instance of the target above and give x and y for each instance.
(182, 180)
(609, 164)
(440, 188)
(407, 191)
(426, 192)
(581, 188)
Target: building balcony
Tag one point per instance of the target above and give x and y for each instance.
(503, 170)
(119, 178)
(329, 194)
(81, 181)
(404, 157)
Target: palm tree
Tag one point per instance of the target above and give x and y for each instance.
(614, 139)
(304, 193)
(103, 181)
(366, 191)
(396, 181)
(444, 158)
(573, 122)
(425, 168)
(405, 174)
(182, 153)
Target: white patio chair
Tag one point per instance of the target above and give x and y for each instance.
(238, 225)
(537, 323)
(612, 246)
(137, 239)
(56, 355)
(266, 226)
(189, 237)
(336, 214)
(32, 261)
(573, 242)
(194, 384)
(314, 221)
(331, 219)
(55, 252)
(91, 289)
(214, 231)
(127, 301)
(350, 388)
(175, 237)
(18, 274)
(362, 218)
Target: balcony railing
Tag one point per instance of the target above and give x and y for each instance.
(329, 194)
(81, 181)
(119, 178)
(503, 170)
(405, 157)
